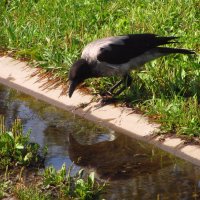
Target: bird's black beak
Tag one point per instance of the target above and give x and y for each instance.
(72, 87)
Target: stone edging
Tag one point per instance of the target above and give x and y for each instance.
(17, 75)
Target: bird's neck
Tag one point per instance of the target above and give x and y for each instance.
(94, 70)
(105, 69)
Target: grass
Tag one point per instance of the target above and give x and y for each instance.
(4, 187)
(32, 193)
(20, 158)
(178, 115)
(52, 34)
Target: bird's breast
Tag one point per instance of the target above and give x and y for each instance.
(106, 69)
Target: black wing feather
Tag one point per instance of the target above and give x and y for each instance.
(131, 46)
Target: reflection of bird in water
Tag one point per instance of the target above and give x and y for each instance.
(118, 159)
(117, 56)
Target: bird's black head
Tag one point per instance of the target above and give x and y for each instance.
(79, 71)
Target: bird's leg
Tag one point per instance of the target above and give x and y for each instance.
(110, 91)
(127, 80)
(115, 86)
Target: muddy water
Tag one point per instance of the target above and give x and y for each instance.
(135, 170)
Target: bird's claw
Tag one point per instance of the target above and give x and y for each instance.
(106, 94)
(108, 100)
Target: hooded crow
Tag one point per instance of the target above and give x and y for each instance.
(117, 56)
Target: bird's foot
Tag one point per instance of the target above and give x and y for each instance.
(106, 94)
(108, 100)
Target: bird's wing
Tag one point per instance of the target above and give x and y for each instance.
(93, 49)
(121, 49)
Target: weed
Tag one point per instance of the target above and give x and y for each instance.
(89, 188)
(77, 186)
(16, 148)
(61, 185)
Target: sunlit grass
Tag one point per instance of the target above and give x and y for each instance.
(176, 115)
(53, 33)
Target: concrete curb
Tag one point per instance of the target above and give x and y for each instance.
(18, 75)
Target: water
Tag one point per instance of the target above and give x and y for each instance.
(134, 169)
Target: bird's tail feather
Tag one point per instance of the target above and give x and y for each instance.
(167, 50)
(166, 40)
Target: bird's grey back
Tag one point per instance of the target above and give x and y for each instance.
(91, 51)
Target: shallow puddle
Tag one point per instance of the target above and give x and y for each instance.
(135, 170)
